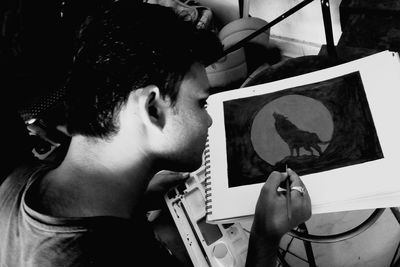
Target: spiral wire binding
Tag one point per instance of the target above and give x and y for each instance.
(207, 180)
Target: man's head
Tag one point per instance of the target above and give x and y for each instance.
(124, 47)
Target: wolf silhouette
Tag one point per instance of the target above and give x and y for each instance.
(296, 138)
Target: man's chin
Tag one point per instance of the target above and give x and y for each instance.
(185, 166)
(197, 166)
(192, 166)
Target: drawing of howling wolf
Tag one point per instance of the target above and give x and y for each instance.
(295, 137)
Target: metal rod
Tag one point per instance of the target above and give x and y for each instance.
(326, 15)
(240, 43)
(282, 259)
(307, 246)
(240, 8)
(342, 236)
(246, 9)
(396, 213)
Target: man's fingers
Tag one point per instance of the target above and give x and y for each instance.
(166, 179)
(275, 179)
(296, 185)
(176, 177)
(294, 178)
(299, 195)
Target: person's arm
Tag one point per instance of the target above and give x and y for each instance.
(271, 221)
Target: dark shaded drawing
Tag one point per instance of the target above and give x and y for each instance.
(335, 111)
(296, 138)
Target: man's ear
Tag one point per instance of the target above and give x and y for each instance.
(152, 106)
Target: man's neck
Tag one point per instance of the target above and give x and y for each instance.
(96, 180)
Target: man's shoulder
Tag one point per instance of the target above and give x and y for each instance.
(21, 174)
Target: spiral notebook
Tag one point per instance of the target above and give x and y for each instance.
(336, 127)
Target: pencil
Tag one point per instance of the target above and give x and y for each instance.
(288, 197)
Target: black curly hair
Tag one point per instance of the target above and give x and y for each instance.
(123, 46)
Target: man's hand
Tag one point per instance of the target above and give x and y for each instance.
(271, 220)
(159, 185)
(271, 211)
(165, 180)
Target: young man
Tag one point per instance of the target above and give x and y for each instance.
(136, 100)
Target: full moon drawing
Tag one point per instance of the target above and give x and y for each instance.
(306, 113)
